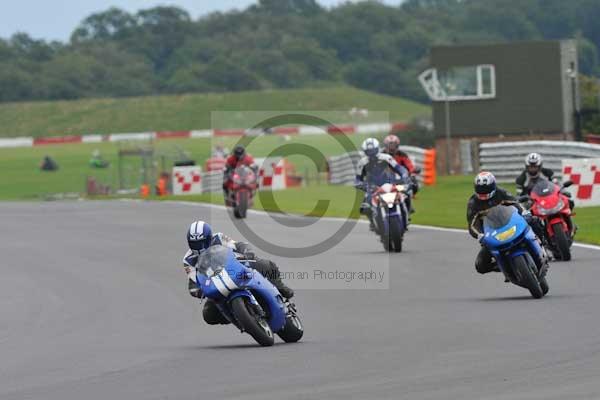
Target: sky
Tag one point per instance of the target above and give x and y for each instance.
(56, 19)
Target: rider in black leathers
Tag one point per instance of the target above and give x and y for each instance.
(488, 194)
(534, 171)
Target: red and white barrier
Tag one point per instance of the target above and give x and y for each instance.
(187, 180)
(271, 173)
(585, 175)
(16, 142)
(346, 129)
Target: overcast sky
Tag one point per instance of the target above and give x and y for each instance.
(56, 19)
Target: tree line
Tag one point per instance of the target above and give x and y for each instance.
(278, 44)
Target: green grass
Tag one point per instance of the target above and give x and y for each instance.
(188, 112)
(24, 180)
(441, 205)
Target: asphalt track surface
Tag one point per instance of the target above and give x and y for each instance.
(93, 305)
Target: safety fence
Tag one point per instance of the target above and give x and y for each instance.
(274, 173)
(342, 169)
(346, 129)
(506, 160)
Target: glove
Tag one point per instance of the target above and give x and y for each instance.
(480, 237)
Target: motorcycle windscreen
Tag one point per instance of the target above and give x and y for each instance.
(245, 174)
(498, 217)
(213, 260)
(543, 188)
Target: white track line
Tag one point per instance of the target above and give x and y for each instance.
(334, 219)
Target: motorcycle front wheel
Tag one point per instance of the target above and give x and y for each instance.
(526, 277)
(562, 242)
(253, 324)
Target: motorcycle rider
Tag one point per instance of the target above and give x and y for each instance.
(237, 158)
(200, 237)
(487, 195)
(374, 170)
(391, 145)
(534, 170)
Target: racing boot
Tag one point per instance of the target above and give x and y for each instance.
(194, 289)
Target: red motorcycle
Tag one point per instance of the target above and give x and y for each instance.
(242, 186)
(553, 207)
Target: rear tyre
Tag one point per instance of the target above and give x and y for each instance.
(253, 324)
(292, 330)
(544, 285)
(526, 277)
(562, 242)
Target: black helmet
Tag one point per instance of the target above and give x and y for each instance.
(485, 185)
(199, 236)
(239, 151)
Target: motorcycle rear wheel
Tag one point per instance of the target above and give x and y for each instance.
(292, 330)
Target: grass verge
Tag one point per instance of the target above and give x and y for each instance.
(187, 112)
(441, 205)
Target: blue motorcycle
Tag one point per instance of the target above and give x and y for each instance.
(246, 298)
(515, 247)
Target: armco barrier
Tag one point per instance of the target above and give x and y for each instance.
(347, 129)
(506, 160)
(342, 169)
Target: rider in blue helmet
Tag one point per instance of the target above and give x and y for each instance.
(200, 237)
(375, 169)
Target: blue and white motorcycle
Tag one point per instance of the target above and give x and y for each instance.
(515, 248)
(391, 214)
(246, 298)
(387, 195)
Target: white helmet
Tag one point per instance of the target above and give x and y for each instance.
(533, 163)
(533, 159)
(370, 147)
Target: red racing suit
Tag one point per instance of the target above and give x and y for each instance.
(231, 164)
(403, 159)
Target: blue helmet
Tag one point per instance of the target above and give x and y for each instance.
(199, 236)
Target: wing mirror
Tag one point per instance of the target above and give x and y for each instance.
(567, 184)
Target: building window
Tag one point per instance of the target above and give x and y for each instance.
(475, 82)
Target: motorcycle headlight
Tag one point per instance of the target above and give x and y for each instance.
(549, 211)
(507, 234)
(389, 198)
(237, 180)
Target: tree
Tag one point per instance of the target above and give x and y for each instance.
(111, 24)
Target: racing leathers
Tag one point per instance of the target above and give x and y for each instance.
(404, 160)
(526, 181)
(230, 165)
(265, 267)
(376, 171)
(484, 262)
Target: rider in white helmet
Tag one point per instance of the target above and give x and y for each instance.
(534, 170)
(374, 166)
